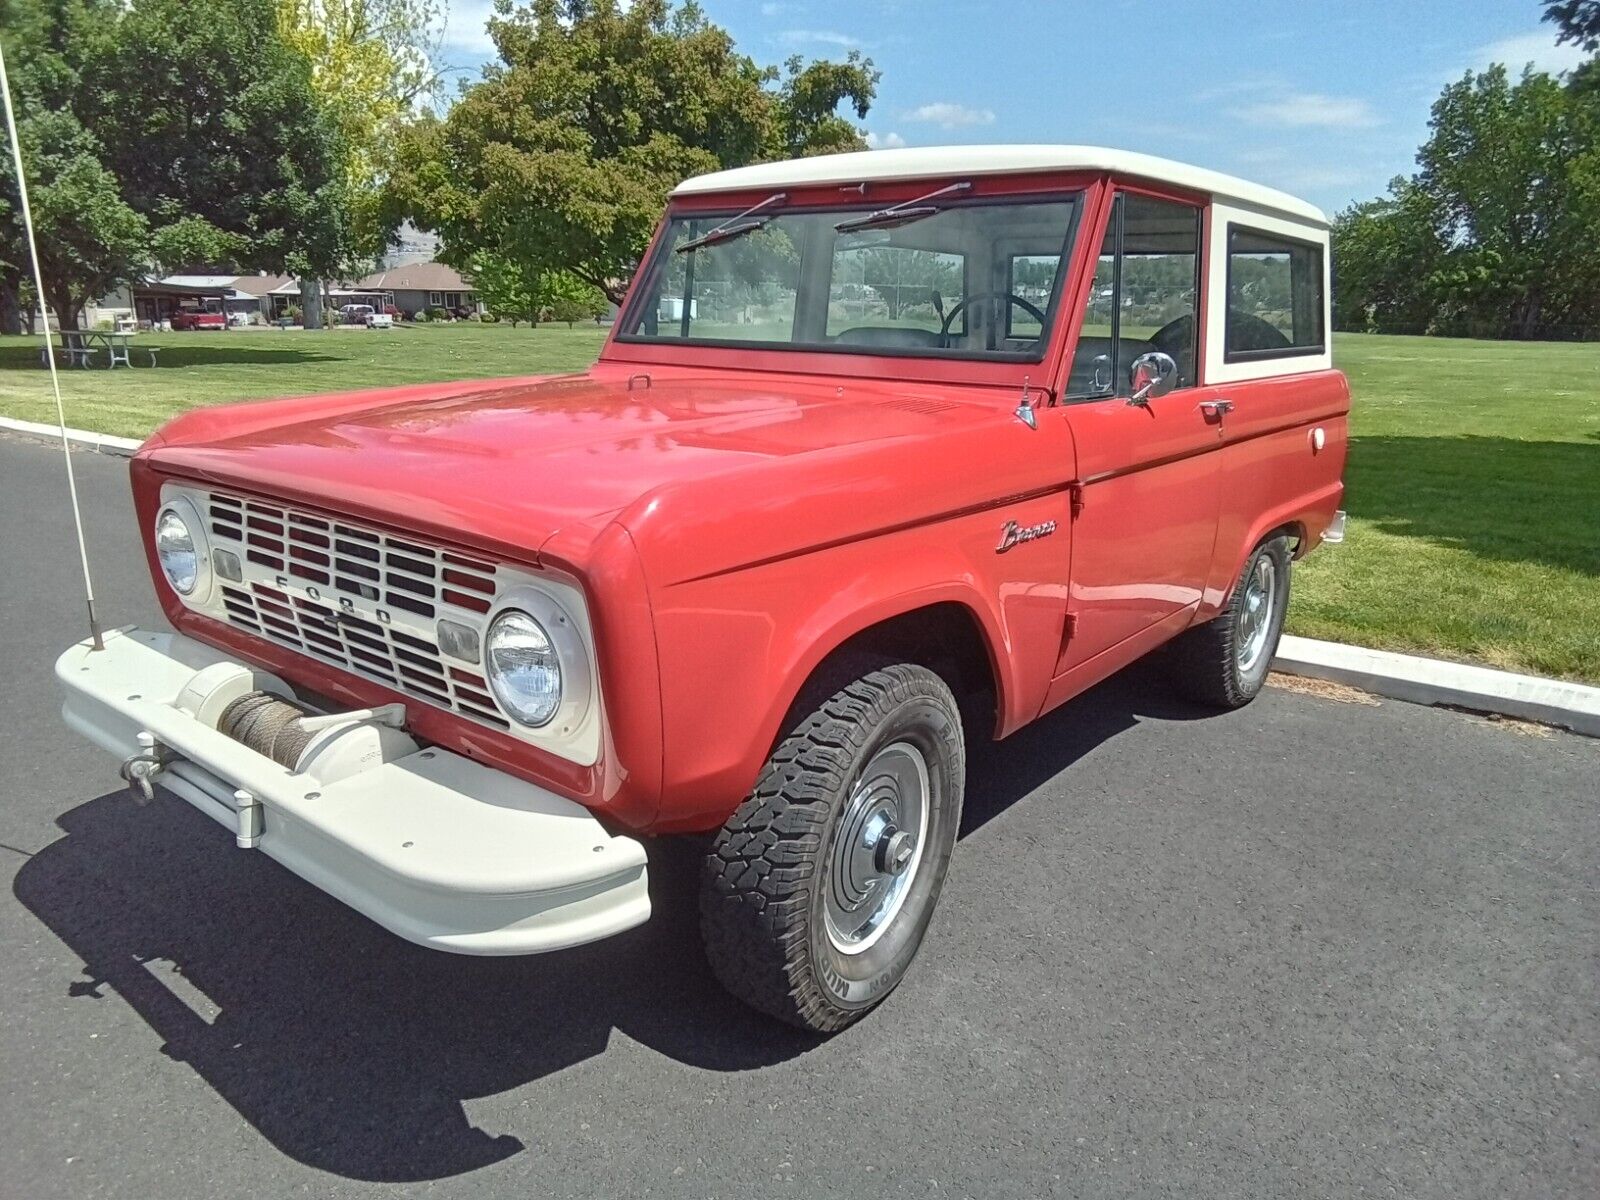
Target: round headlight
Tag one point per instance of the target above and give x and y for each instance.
(176, 550)
(523, 668)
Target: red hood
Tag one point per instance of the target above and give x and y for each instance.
(508, 463)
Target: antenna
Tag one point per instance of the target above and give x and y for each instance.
(49, 352)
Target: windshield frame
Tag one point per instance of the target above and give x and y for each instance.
(988, 191)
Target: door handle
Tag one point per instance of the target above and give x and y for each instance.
(1216, 409)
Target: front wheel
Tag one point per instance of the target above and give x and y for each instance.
(819, 888)
(1224, 663)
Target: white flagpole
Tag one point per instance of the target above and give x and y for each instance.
(49, 352)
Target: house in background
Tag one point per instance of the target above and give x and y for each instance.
(262, 299)
(416, 287)
(151, 302)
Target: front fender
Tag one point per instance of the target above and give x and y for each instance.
(736, 648)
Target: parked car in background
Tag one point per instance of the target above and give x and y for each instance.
(365, 314)
(197, 318)
(885, 454)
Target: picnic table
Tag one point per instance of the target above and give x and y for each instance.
(80, 345)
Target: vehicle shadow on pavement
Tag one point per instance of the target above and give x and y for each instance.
(1001, 773)
(353, 1051)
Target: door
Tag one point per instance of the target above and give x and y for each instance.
(1148, 473)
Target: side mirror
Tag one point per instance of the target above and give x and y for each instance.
(1152, 374)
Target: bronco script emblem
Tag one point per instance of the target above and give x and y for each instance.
(1014, 534)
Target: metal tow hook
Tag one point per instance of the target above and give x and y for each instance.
(139, 770)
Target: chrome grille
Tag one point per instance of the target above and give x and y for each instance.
(355, 596)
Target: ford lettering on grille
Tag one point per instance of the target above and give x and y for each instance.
(355, 596)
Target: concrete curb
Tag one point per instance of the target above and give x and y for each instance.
(80, 437)
(1573, 706)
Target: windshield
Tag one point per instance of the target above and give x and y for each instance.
(952, 278)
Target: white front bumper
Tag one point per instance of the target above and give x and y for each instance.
(434, 847)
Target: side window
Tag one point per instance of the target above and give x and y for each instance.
(893, 286)
(1095, 357)
(1158, 283)
(1274, 296)
(1143, 297)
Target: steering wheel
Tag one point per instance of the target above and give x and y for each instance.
(1009, 297)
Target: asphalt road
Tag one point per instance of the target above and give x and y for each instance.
(1313, 948)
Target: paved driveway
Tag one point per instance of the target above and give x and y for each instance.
(1308, 949)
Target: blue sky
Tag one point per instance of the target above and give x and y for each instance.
(1328, 101)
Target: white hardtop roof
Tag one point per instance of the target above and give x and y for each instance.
(921, 162)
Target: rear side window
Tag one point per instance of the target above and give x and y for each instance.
(1274, 296)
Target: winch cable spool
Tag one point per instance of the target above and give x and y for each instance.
(269, 725)
(49, 351)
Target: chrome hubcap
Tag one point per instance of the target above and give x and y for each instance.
(1255, 615)
(877, 848)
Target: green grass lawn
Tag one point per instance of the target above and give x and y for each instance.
(1474, 478)
(1474, 497)
(210, 367)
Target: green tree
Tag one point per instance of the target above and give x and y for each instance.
(507, 290)
(1498, 233)
(1509, 172)
(1578, 22)
(371, 62)
(89, 240)
(1385, 254)
(562, 157)
(567, 298)
(206, 116)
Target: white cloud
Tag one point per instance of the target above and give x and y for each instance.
(1538, 48)
(1300, 110)
(824, 37)
(951, 116)
(466, 26)
(773, 10)
(884, 141)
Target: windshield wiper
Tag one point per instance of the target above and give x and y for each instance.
(731, 228)
(901, 214)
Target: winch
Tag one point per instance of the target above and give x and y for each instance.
(259, 711)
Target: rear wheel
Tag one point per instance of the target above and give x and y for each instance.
(1224, 663)
(819, 888)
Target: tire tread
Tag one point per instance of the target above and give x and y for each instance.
(1202, 660)
(759, 872)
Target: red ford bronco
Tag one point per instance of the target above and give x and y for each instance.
(886, 452)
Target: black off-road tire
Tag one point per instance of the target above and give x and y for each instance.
(1204, 661)
(762, 891)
